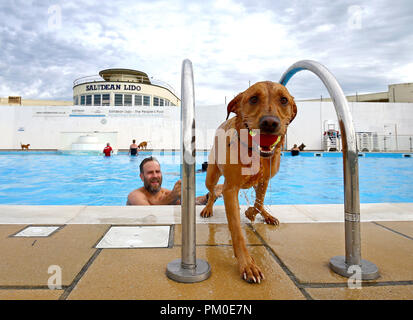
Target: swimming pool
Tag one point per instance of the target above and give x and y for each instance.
(49, 178)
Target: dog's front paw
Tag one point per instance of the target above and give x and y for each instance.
(207, 212)
(269, 219)
(250, 213)
(251, 273)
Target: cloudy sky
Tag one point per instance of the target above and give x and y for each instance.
(45, 45)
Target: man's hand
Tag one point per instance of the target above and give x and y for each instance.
(175, 194)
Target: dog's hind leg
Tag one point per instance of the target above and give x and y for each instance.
(260, 191)
(212, 177)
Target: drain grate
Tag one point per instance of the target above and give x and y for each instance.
(37, 231)
(135, 237)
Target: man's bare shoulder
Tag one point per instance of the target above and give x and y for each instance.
(137, 197)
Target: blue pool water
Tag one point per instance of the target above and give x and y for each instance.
(44, 178)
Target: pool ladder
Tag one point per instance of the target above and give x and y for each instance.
(344, 266)
(191, 269)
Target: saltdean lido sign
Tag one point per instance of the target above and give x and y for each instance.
(91, 111)
(125, 87)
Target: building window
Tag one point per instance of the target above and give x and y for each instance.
(82, 100)
(146, 101)
(167, 102)
(75, 100)
(96, 100)
(105, 99)
(127, 100)
(155, 101)
(118, 99)
(138, 100)
(161, 102)
(89, 100)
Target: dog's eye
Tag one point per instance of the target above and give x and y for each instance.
(253, 100)
(284, 100)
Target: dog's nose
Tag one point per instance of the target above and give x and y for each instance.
(269, 123)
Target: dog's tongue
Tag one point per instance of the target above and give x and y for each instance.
(265, 140)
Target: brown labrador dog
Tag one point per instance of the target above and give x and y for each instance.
(249, 156)
(143, 145)
(25, 146)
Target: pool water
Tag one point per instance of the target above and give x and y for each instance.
(54, 179)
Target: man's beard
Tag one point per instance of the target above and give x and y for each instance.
(149, 187)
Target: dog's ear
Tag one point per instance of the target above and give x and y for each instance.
(294, 111)
(233, 106)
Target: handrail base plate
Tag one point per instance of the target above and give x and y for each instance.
(369, 270)
(176, 272)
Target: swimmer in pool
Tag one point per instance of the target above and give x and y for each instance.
(153, 194)
(295, 151)
(133, 149)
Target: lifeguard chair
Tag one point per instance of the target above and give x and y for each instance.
(331, 136)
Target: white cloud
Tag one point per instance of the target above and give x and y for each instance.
(325, 28)
(404, 73)
(229, 42)
(227, 37)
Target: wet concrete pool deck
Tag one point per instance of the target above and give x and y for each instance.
(293, 257)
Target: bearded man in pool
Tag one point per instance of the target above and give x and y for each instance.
(153, 194)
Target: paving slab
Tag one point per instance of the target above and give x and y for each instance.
(116, 215)
(401, 292)
(306, 250)
(120, 215)
(140, 274)
(26, 261)
(7, 230)
(322, 212)
(386, 211)
(406, 207)
(404, 227)
(23, 214)
(27, 294)
(289, 214)
(215, 234)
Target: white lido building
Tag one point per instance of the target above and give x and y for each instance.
(119, 105)
(122, 87)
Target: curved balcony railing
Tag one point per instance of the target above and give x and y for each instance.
(87, 79)
(97, 78)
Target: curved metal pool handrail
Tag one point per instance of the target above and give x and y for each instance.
(188, 269)
(188, 165)
(351, 176)
(350, 170)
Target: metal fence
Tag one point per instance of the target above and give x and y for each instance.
(372, 142)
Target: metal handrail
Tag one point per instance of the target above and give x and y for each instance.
(188, 269)
(164, 84)
(339, 264)
(86, 79)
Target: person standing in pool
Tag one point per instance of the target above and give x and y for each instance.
(295, 151)
(133, 149)
(152, 192)
(107, 150)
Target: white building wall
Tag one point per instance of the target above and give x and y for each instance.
(25, 124)
(308, 126)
